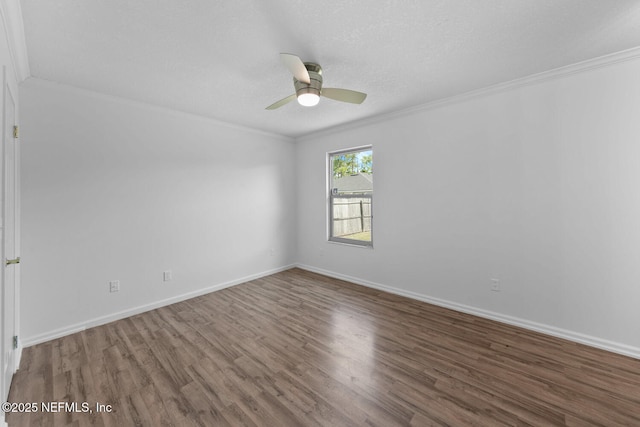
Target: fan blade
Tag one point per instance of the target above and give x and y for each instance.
(281, 102)
(296, 66)
(344, 95)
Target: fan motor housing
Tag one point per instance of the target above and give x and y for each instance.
(315, 75)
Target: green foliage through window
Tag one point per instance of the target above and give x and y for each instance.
(346, 164)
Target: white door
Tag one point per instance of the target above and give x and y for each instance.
(9, 206)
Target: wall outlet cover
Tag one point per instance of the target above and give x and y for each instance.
(114, 286)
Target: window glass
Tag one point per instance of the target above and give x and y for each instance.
(351, 196)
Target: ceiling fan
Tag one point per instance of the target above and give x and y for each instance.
(307, 80)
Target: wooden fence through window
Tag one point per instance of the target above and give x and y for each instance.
(351, 215)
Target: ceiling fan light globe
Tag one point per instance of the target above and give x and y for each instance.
(308, 99)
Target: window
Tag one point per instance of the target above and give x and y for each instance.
(350, 196)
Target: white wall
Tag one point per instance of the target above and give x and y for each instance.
(114, 190)
(537, 185)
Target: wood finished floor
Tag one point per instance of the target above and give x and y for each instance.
(300, 349)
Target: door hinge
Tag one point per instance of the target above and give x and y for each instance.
(15, 342)
(15, 132)
(13, 261)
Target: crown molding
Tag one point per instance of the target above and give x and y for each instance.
(14, 32)
(557, 73)
(35, 82)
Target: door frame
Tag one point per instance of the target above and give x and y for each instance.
(8, 137)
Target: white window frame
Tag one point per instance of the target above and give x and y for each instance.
(331, 196)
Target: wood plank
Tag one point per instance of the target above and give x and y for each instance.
(300, 349)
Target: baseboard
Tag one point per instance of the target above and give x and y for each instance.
(596, 342)
(78, 327)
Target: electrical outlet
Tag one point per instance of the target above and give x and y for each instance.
(166, 276)
(272, 252)
(495, 285)
(114, 286)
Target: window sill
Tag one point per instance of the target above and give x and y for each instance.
(353, 245)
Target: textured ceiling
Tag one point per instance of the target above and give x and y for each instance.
(220, 59)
